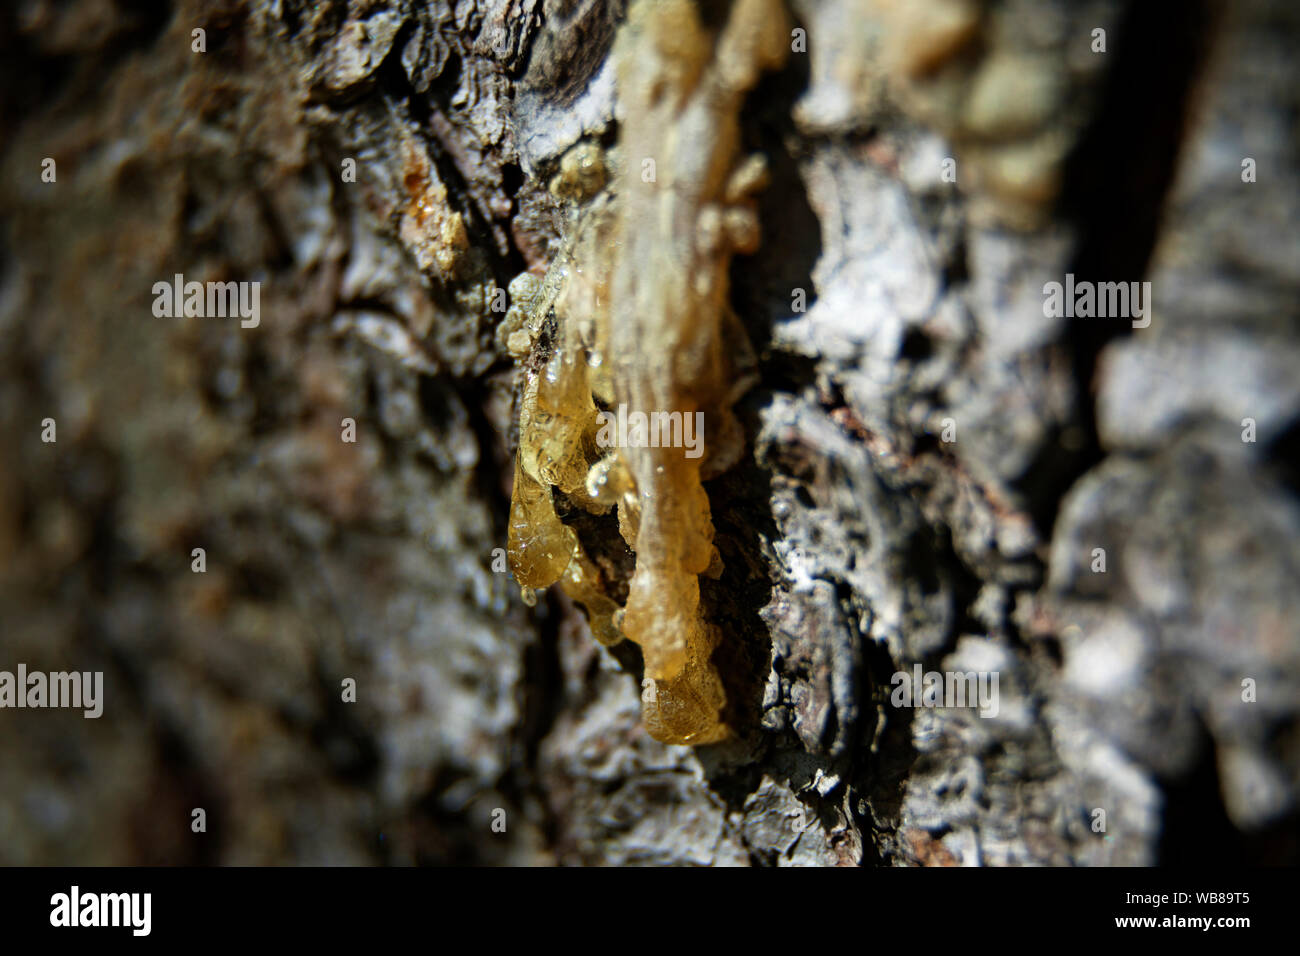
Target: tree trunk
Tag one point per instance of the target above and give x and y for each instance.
(280, 532)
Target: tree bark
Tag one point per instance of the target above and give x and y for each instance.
(942, 474)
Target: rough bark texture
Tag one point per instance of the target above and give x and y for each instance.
(931, 459)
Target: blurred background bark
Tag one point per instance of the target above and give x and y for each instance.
(860, 538)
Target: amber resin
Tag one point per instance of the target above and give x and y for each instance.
(641, 317)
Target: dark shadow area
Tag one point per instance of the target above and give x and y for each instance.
(1115, 183)
(1198, 833)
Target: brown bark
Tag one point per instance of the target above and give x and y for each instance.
(858, 540)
